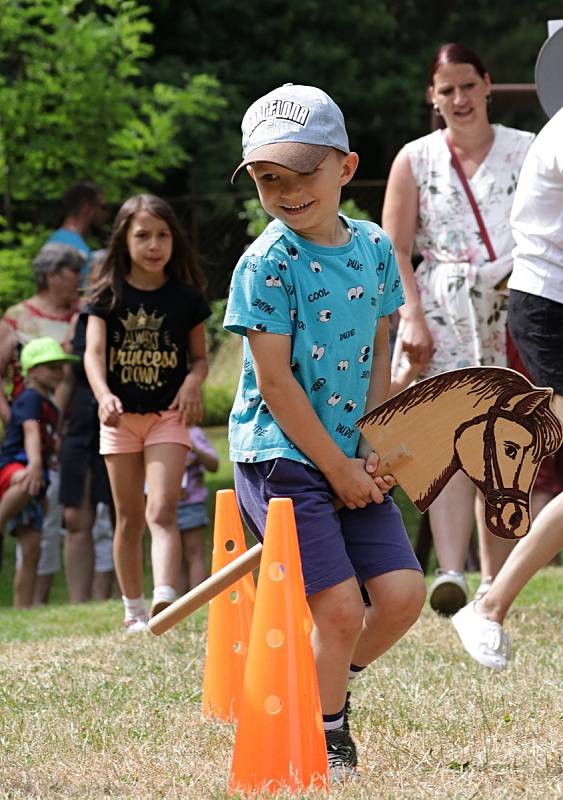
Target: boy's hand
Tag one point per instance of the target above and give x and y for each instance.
(31, 479)
(383, 482)
(110, 409)
(355, 487)
(189, 402)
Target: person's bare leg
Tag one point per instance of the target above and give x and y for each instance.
(43, 586)
(538, 500)
(102, 538)
(127, 476)
(396, 599)
(540, 545)
(451, 518)
(14, 499)
(52, 536)
(102, 585)
(78, 548)
(183, 582)
(164, 465)
(338, 615)
(26, 573)
(493, 550)
(193, 544)
(544, 540)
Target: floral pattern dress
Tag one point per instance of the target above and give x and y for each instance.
(466, 315)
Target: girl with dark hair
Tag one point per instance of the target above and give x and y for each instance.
(145, 360)
(455, 313)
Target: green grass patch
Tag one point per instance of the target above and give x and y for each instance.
(88, 712)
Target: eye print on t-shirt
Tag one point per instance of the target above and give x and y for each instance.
(318, 351)
(355, 292)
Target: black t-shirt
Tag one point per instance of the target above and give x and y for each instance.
(147, 342)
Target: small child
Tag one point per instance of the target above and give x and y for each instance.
(25, 454)
(192, 509)
(145, 361)
(311, 298)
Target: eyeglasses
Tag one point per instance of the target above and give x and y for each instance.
(71, 268)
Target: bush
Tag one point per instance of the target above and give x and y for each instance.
(217, 401)
(18, 249)
(216, 334)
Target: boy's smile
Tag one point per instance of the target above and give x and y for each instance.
(307, 202)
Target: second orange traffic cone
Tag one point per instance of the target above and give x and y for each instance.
(280, 740)
(230, 617)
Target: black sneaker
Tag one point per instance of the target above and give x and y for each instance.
(341, 752)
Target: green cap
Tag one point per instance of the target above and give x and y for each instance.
(42, 351)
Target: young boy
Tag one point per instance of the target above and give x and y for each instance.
(311, 297)
(24, 457)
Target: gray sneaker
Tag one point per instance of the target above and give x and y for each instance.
(342, 756)
(448, 592)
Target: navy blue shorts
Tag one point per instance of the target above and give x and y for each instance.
(334, 545)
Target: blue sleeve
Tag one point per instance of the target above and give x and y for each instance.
(27, 406)
(392, 295)
(258, 298)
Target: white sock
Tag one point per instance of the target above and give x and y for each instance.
(332, 722)
(353, 673)
(135, 607)
(164, 594)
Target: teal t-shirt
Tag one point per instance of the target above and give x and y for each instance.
(329, 300)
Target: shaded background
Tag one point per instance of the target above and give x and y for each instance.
(370, 55)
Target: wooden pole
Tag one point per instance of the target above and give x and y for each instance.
(206, 591)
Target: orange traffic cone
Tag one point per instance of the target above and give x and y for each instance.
(230, 617)
(280, 740)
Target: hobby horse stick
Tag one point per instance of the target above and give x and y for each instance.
(206, 591)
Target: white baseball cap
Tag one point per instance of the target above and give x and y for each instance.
(292, 126)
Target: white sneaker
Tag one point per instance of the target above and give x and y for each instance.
(483, 639)
(448, 592)
(136, 625)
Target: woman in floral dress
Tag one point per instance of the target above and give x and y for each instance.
(454, 315)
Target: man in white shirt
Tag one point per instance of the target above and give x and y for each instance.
(535, 320)
(535, 316)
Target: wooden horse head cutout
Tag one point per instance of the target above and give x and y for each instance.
(489, 422)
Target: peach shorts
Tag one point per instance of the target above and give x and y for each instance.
(137, 431)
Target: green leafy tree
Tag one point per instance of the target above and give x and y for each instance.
(71, 104)
(73, 107)
(370, 55)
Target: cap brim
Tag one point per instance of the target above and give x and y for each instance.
(57, 359)
(295, 156)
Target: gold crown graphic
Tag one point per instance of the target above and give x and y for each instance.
(142, 321)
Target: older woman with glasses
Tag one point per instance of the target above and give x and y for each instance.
(49, 312)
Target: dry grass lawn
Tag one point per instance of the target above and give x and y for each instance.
(103, 715)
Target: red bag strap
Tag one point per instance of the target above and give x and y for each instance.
(473, 203)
